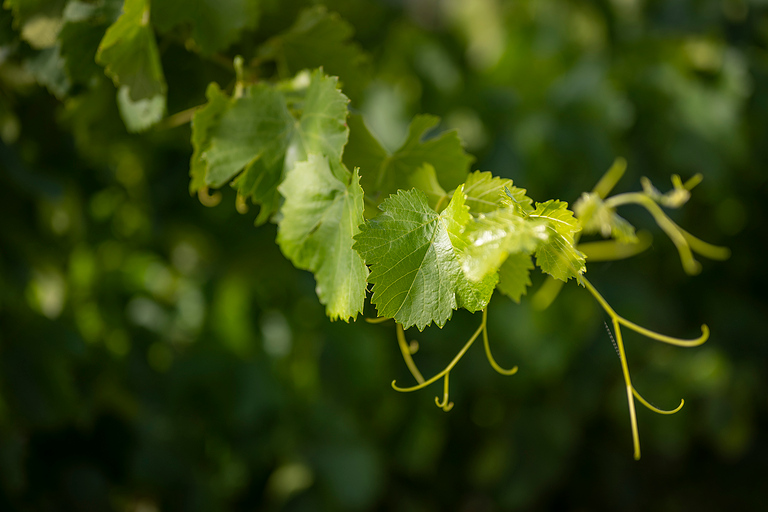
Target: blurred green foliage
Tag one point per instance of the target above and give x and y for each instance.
(159, 355)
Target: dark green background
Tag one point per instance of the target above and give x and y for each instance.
(156, 354)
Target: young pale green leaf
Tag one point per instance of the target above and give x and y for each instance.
(492, 237)
(321, 214)
(471, 294)
(383, 173)
(215, 24)
(319, 38)
(515, 275)
(258, 133)
(129, 53)
(415, 268)
(486, 192)
(558, 256)
(596, 217)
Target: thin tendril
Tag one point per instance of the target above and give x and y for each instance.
(632, 393)
(405, 349)
(445, 405)
(491, 360)
(654, 408)
(668, 339)
(684, 241)
(377, 320)
(447, 369)
(642, 330)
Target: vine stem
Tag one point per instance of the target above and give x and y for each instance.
(685, 242)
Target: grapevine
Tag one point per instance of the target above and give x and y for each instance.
(415, 230)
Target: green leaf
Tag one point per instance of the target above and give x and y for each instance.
(425, 179)
(138, 115)
(414, 260)
(215, 24)
(492, 237)
(204, 120)
(320, 39)
(256, 126)
(84, 26)
(258, 135)
(131, 59)
(322, 211)
(39, 21)
(515, 275)
(383, 174)
(596, 217)
(486, 192)
(48, 69)
(558, 256)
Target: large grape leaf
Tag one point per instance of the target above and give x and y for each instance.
(557, 256)
(319, 38)
(259, 138)
(383, 173)
(215, 24)
(130, 58)
(322, 211)
(413, 253)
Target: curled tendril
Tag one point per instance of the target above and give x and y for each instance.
(405, 349)
(208, 199)
(408, 349)
(632, 393)
(377, 320)
(241, 204)
(488, 354)
(653, 408)
(445, 405)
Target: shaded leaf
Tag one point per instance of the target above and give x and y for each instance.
(258, 135)
(515, 275)
(129, 54)
(320, 39)
(215, 24)
(383, 174)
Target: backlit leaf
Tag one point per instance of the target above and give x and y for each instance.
(322, 211)
(557, 256)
